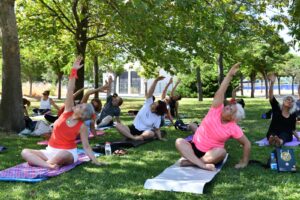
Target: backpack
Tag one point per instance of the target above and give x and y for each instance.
(41, 128)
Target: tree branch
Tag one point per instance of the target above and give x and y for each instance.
(58, 16)
(97, 36)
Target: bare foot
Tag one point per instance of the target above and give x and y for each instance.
(139, 137)
(185, 163)
(278, 142)
(210, 167)
(271, 140)
(53, 166)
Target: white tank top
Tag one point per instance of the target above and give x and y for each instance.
(45, 104)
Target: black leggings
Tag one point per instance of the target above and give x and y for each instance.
(286, 137)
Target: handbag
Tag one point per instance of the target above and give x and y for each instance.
(283, 160)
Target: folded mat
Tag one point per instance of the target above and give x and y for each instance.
(183, 179)
(99, 133)
(2, 148)
(265, 142)
(26, 173)
(100, 148)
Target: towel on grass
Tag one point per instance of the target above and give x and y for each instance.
(183, 179)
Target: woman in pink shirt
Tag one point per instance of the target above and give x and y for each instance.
(220, 124)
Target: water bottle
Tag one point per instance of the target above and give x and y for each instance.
(107, 149)
(273, 163)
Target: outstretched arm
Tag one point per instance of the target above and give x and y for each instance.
(54, 104)
(246, 152)
(109, 86)
(219, 95)
(152, 88)
(86, 96)
(69, 102)
(233, 94)
(174, 88)
(86, 146)
(164, 93)
(272, 79)
(78, 92)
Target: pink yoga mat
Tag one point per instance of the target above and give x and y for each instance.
(99, 133)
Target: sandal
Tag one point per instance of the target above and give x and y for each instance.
(120, 152)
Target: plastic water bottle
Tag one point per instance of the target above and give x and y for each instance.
(107, 149)
(273, 162)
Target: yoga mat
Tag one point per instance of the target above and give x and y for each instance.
(2, 148)
(265, 142)
(183, 179)
(99, 133)
(100, 148)
(26, 173)
(104, 127)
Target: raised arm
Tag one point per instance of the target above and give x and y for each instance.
(152, 87)
(108, 82)
(174, 88)
(69, 102)
(233, 93)
(164, 93)
(78, 92)
(219, 95)
(272, 79)
(86, 96)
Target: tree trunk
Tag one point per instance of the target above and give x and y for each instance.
(30, 86)
(293, 80)
(96, 76)
(199, 84)
(242, 84)
(81, 44)
(11, 109)
(266, 84)
(278, 80)
(220, 68)
(59, 77)
(252, 79)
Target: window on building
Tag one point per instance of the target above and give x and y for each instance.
(123, 83)
(135, 83)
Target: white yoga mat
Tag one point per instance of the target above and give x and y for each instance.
(182, 179)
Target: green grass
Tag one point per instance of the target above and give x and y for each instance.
(125, 176)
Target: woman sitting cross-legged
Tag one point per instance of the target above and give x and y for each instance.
(62, 149)
(284, 118)
(220, 124)
(147, 122)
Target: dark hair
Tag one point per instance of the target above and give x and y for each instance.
(46, 92)
(241, 102)
(178, 97)
(120, 101)
(161, 108)
(115, 95)
(98, 101)
(26, 102)
(153, 98)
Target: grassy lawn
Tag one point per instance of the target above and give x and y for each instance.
(125, 176)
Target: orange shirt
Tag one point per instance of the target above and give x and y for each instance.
(63, 136)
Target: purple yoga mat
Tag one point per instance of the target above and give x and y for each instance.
(25, 171)
(265, 142)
